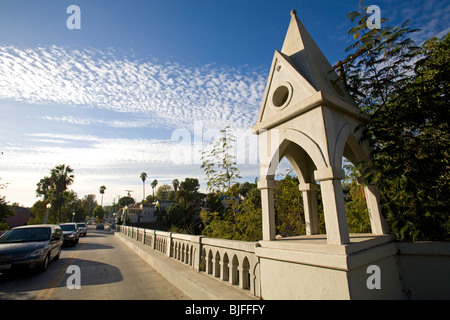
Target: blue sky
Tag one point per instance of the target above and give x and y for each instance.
(113, 98)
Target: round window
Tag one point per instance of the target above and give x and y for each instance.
(280, 96)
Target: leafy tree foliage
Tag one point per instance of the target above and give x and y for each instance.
(219, 163)
(5, 212)
(99, 212)
(154, 184)
(163, 192)
(355, 203)
(83, 208)
(125, 201)
(54, 188)
(102, 192)
(182, 215)
(289, 214)
(235, 219)
(405, 90)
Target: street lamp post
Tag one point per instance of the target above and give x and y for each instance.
(46, 213)
(73, 216)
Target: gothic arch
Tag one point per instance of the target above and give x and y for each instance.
(300, 149)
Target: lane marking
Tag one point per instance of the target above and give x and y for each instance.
(56, 280)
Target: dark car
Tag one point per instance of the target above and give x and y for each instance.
(83, 228)
(71, 233)
(100, 226)
(30, 247)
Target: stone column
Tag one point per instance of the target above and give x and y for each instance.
(377, 221)
(333, 204)
(197, 253)
(169, 244)
(267, 187)
(308, 191)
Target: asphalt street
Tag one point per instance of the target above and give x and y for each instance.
(99, 267)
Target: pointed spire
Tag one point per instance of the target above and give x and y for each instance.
(301, 77)
(304, 53)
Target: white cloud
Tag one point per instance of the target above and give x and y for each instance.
(169, 95)
(108, 90)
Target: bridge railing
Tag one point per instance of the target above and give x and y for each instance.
(229, 261)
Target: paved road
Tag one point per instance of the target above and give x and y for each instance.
(107, 268)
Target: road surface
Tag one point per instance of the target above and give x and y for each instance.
(101, 266)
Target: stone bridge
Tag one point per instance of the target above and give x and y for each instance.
(308, 118)
(304, 267)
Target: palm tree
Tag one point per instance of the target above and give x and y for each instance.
(61, 178)
(154, 184)
(175, 184)
(43, 187)
(102, 191)
(143, 177)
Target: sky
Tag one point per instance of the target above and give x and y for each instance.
(143, 86)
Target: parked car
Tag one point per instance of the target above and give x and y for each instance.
(100, 226)
(71, 233)
(30, 247)
(83, 228)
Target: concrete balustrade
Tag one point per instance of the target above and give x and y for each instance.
(304, 267)
(229, 261)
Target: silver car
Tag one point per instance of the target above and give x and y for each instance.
(83, 228)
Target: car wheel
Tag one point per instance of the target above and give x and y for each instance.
(58, 255)
(45, 264)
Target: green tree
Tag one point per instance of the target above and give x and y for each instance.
(150, 199)
(240, 220)
(102, 192)
(175, 218)
(54, 187)
(154, 184)
(87, 204)
(175, 184)
(405, 90)
(355, 203)
(99, 212)
(62, 177)
(163, 192)
(289, 214)
(143, 178)
(38, 211)
(43, 187)
(219, 163)
(5, 213)
(125, 201)
(188, 195)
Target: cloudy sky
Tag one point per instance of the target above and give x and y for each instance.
(143, 85)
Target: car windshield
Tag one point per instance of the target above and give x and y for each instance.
(81, 225)
(26, 235)
(67, 227)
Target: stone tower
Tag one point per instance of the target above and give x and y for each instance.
(308, 117)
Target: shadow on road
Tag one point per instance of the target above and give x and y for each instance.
(91, 273)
